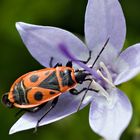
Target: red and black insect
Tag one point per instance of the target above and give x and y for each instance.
(34, 89)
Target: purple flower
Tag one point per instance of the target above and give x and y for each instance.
(110, 109)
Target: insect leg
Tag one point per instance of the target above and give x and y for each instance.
(89, 57)
(57, 65)
(69, 64)
(76, 92)
(51, 62)
(86, 90)
(53, 104)
(34, 109)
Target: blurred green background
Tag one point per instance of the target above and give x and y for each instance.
(15, 61)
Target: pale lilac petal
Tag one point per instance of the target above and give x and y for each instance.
(132, 56)
(104, 19)
(67, 105)
(109, 119)
(127, 75)
(129, 66)
(42, 43)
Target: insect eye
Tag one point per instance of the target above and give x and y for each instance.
(6, 101)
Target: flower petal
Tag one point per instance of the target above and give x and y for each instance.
(42, 43)
(64, 50)
(131, 58)
(67, 105)
(104, 19)
(109, 119)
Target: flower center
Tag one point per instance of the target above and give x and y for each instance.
(105, 83)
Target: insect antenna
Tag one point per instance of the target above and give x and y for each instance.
(92, 67)
(100, 53)
(83, 96)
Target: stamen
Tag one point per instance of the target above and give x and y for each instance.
(101, 89)
(104, 78)
(109, 77)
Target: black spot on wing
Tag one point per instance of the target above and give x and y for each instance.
(34, 78)
(38, 96)
(51, 82)
(51, 92)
